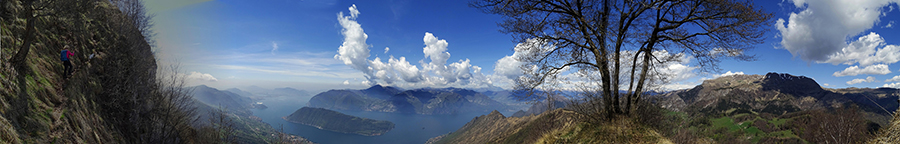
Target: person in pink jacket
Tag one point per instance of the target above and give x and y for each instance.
(65, 55)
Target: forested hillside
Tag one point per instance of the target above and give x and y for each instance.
(339, 122)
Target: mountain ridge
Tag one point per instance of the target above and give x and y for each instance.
(777, 93)
(420, 101)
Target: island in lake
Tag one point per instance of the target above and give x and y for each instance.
(335, 121)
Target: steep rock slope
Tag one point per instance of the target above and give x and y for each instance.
(113, 95)
(39, 106)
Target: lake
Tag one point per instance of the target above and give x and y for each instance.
(409, 128)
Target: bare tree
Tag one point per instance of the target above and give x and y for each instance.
(138, 17)
(595, 36)
(223, 125)
(844, 125)
(35, 9)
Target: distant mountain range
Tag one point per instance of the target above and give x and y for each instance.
(419, 101)
(259, 92)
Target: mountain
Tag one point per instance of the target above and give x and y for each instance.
(259, 92)
(339, 122)
(116, 92)
(541, 107)
(240, 92)
(233, 102)
(555, 126)
(771, 108)
(287, 91)
(777, 94)
(419, 101)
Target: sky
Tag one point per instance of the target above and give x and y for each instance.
(334, 44)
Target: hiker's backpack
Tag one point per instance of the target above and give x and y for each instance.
(63, 56)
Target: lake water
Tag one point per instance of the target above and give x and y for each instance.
(409, 128)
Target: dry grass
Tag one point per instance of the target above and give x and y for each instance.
(890, 134)
(619, 130)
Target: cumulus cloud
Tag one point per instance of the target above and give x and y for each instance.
(866, 51)
(200, 76)
(510, 66)
(354, 51)
(398, 71)
(274, 47)
(435, 71)
(892, 85)
(823, 26)
(406, 71)
(728, 74)
(679, 72)
(856, 81)
(894, 79)
(346, 82)
(880, 69)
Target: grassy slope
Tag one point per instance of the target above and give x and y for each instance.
(557, 126)
(34, 106)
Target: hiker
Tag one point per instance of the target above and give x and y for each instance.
(64, 57)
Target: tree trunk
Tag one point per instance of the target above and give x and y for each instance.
(20, 56)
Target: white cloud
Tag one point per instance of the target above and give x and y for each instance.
(892, 85)
(865, 51)
(354, 12)
(856, 81)
(889, 25)
(894, 79)
(728, 74)
(822, 27)
(354, 51)
(274, 47)
(679, 72)
(200, 76)
(879, 69)
(408, 72)
(346, 82)
(436, 50)
(826, 84)
(677, 86)
(717, 52)
(510, 66)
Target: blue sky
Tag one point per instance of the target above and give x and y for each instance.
(284, 43)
